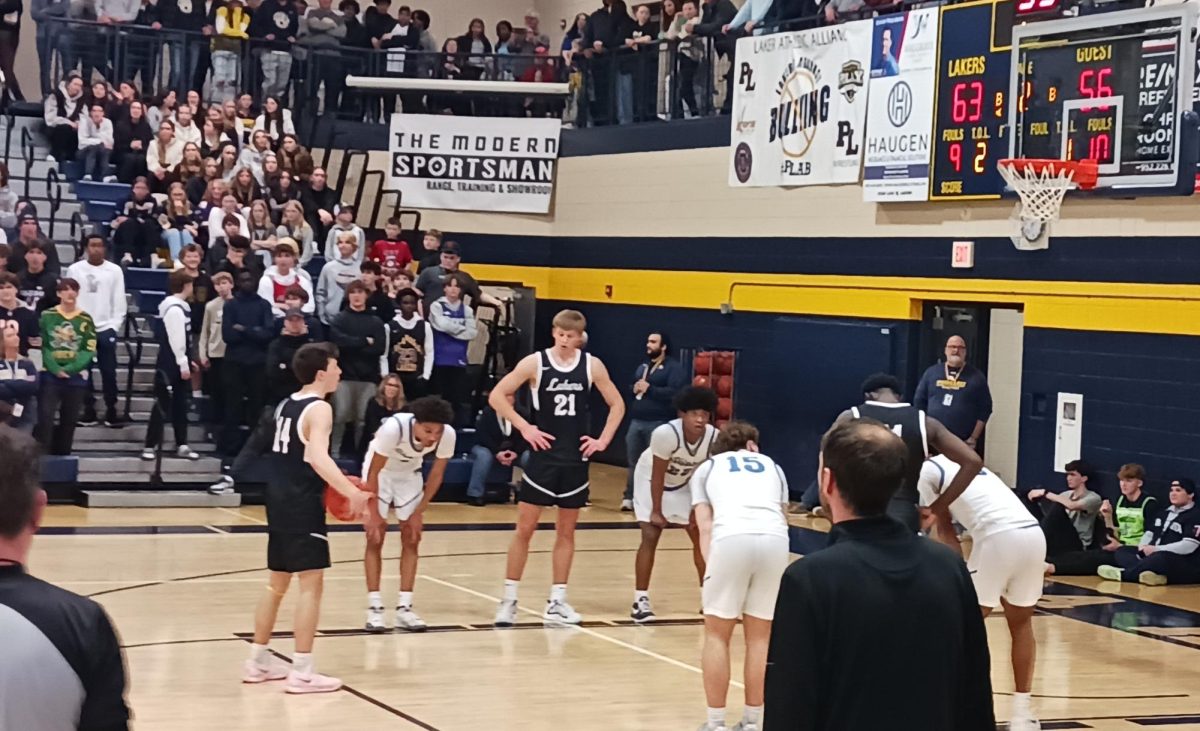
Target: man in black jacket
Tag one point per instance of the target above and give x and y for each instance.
(320, 203)
(882, 629)
(716, 15)
(361, 339)
(281, 380)
(498, 442)
(247, 325)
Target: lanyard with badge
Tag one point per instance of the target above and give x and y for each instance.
(952, 382)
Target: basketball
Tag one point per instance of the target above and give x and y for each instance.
(723, 363)
(724, 410)
(702, 363)
(725, 386)
(702, 382)
(337, 504)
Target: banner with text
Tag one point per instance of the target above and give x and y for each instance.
(799, 105)
(900, 115)
(474, 163)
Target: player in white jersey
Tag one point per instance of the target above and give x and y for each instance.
(739, 496)
(1008, 555)
(392, 470)
(661, 496)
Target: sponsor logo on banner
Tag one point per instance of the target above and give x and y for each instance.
(900, 113)
(474, 163)
(804, 127)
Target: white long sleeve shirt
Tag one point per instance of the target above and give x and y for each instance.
(91, 135)
(101, 293)
(175, 322)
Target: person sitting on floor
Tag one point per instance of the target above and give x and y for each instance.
(1167, 552)
(1134, 512)
(1069, 518)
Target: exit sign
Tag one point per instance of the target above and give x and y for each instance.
(962, 256)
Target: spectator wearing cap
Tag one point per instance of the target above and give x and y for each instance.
(62, 111)
(18, 382)
(283, 274)
(344, 222)
(295, 298)
(281, 380)
(70, 337)
(247, 326)
(28, 232)
(432, 281)
(36, 284)
(1124, 526)
(319, 200)
(101, 287)
(210, 345)
(360, 337)
(336, 275)
(1167, 552)
(1069, 518)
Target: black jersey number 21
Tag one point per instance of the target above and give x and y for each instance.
(564, 404)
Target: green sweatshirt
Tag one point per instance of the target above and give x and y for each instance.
(68, 342)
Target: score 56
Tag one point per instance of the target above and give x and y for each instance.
(956, 154)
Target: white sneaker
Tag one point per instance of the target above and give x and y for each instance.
(110, 178)
(312, 683)
(127, 259)
(743, 726)
(50, 159)
(560, 612)
(706, 726)
(626, 506)
(408, 620)
(87, 178)
(148, 454)
(506, 613)
(375, 620)
(223, 486)
(252, 672)
(641, 611)
(186, 452)
(1024, 724)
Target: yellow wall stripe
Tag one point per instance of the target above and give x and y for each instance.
(1171, 309)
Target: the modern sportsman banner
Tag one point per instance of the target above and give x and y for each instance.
(474, 163)
(799, 106)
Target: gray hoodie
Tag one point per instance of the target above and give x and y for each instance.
(322, 28)
(331, 286)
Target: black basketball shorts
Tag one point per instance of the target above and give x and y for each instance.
(295, 552)
(554, 484)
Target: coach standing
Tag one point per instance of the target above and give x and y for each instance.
(656, 380)
(61, 666)
(956, 393)
(881, 629)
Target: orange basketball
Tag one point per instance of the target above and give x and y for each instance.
(702, 382)
(724, 410)
(337, 504)
(723, 363)
(725, 386)
(702, 363)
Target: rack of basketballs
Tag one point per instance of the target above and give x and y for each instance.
(714, 369)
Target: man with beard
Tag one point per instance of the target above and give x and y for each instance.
(655, 382)
(956, 394)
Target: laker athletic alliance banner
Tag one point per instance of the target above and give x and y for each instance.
(799, 106)
(474, 163)
(900, 115)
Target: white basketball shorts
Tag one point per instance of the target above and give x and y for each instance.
(1011, 565)
(742, 576)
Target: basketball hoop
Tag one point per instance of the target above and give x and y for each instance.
(1042, 185)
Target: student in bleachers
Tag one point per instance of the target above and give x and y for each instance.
(190, 167)
(163, 154)
(178, 224)
(172, 369)
(251, 157)
(320, 201)
(274, 27)
(410, 345)
(238, 259)
(270, 173)
(70, 337)
(281, 191)
(213, 136)
(37, 284)
(29, 233)
(63, 110)
(431, 250)
(16, 316)
(18, 382)
(293, 225)
(186, 128)
(100, 285)
(454, 328)
(379, 301)
(360, 338)
(344, 221)
(137, 233)
(498, 442)
(202, 287)
(283, 274)
(8, 203)
(210, 345)
(294, 158)
(389, 400)
(275, 121)
(131, 138)
(262, 230)
(95, 144)
(227, 160)
(247, 326)
(336, 275)
(281, 381)
(391, 252)
(244, 188)
(218, 216)
(231, 20)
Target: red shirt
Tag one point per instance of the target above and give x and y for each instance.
(390, 254)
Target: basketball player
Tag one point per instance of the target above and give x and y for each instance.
(557, 474)
(661, 496)
(918, 431)
(1008, 555)
(296, 542)
(392, 470)
(739, 496)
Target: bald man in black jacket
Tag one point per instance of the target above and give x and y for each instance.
(882, 629)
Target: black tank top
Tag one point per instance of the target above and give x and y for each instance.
(909, 424)
(408, 348)
(560, 405)
(295, 493)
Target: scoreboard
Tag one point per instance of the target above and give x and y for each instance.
(1113, 88)
(971, 106)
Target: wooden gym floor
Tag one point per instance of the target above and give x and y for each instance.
(181, 586)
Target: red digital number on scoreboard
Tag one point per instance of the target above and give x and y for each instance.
(1093, 85)
(1037, 6)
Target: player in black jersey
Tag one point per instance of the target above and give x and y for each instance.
(296, 542)
(919, 432)
(557, 474)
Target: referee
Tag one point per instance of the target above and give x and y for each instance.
(60, 667)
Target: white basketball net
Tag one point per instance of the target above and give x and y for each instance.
(1041, 200)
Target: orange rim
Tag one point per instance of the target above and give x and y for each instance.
(1083, 172)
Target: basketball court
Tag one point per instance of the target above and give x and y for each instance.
(181, 584)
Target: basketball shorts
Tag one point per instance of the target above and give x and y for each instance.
(676, 503)
(296, 552)
(1009, 565)
(554, 484)
(400, 492)
(743, 574)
